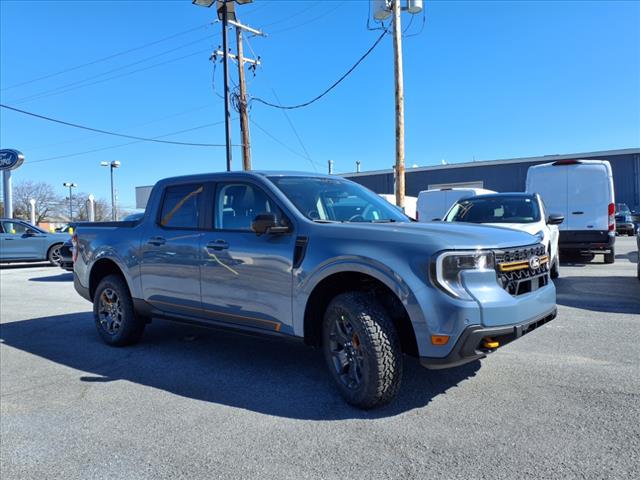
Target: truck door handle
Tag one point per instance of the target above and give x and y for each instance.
(577, 213)
(217, 245)
(157, 241)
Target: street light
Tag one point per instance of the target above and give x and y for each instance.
(70, 186)
(226, 12)
(112, 165)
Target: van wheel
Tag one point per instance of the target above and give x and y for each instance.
(610, 257)
(362, 350)
(113, 313)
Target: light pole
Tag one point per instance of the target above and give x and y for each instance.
(70, 186)
(112, 165)
(226, 12)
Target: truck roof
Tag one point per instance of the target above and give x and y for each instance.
(252, 173)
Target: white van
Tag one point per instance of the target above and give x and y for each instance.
(409, 203)
(582, 191)
(435, 203)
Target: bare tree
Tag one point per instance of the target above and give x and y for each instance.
(47, 200)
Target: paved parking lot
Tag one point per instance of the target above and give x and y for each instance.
(562, 402)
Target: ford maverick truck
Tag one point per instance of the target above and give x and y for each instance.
(319, 258)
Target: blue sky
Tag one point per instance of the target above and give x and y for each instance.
(483, 80)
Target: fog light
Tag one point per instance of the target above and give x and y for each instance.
(490, 343)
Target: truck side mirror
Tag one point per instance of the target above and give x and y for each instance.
(555, 219)
(266, 223)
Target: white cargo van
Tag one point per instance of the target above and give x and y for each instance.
(435, 203)
(582, 191)
(409, 203)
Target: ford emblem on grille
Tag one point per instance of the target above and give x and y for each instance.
(534, 262)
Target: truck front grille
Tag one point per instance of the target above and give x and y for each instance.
(522, 270)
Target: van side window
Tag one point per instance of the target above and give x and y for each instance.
(181, 206)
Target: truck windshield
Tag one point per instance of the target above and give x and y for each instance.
(512, 209)
(324, 199)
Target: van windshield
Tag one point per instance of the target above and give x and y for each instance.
(503, 209)
(323, 199)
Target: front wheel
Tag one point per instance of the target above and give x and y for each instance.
(362, 350)
(113, 312)
(54, 255)
(555, 268)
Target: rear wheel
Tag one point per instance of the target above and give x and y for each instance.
(53, 255)
(362, 350)
(113, 312)
(610, 257)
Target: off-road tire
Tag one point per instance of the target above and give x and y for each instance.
(130, 326)
(379, 346)
(555, 268)
(53, 255)
(610, 257)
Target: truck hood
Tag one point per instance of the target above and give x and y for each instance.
(531, 228)
(438, 235)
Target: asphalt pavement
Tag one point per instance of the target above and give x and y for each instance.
(562, 402)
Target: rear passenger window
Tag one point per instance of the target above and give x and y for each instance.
(181, 205)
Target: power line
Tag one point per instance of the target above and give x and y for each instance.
(108, 57)
(100, 149)
(64, 88)
(311, 20)
(335, 84)
(106, 132)
(159, 64)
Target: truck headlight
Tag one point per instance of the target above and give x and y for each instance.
(450, 265)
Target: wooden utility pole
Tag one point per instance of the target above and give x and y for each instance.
(244, 118)
(397, 49)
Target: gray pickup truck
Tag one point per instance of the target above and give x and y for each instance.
(318, 258)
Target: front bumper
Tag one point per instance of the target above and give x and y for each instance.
(469, 345)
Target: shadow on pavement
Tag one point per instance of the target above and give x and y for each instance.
(62, 277)
(600, 294)
(10, 266)
(270, 376)
(631, 256)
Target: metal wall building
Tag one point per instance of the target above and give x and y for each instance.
(507, 175)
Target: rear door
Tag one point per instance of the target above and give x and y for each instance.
(170, 266)
(551, 182)
(589, 197)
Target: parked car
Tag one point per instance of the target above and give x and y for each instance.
(319, 258)
(582, 192)
(435, 203)
(66, 255)
(410, 203)
(518, 211)
(624, 220)
(23, 242)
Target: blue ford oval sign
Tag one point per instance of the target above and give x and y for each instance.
(10, 159)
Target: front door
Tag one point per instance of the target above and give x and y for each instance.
(246, 279)
(170, 266)
(19, 242)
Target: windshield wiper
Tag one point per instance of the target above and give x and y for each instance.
(319, 220)
(384, 220)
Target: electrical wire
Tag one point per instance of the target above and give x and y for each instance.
(106, 132)
(108, 57)
(159, 64)
(335, 84)
(100, 149)
(293, 15)
(65, 88)
(311, 20)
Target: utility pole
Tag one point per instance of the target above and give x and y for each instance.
(244, 119)
(397, 64)
(227, 113)
(383, 9)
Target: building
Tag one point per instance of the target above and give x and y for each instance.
(507, 175)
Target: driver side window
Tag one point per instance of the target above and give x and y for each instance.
(237, 204)
(14, 228)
